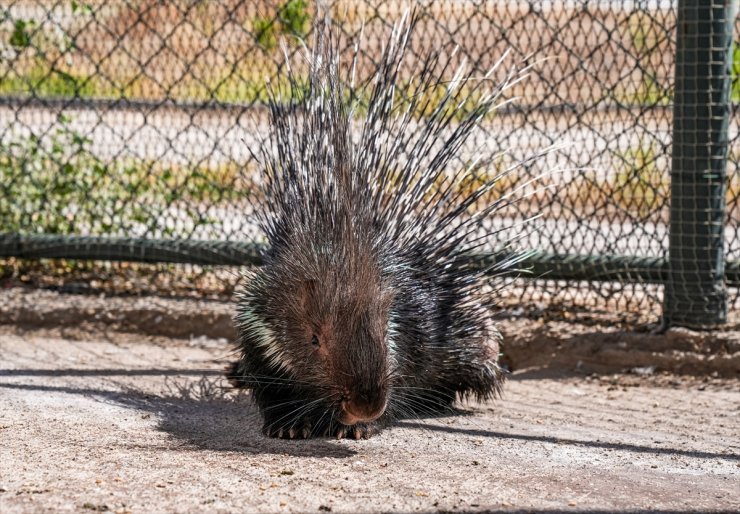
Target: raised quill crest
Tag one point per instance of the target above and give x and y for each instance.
(367, 308)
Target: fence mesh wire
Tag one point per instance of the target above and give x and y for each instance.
(134, 119)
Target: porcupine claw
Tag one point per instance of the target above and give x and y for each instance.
(365, 431)
(300, 430)
(306, 432)
(357, 432)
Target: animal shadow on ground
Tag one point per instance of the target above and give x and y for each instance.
(203, 413)
(208, 414)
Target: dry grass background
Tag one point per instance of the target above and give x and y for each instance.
(191, 49)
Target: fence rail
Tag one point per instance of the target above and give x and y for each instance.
(125, 127)
(598, 268)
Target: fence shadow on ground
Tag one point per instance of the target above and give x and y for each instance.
(625, 447)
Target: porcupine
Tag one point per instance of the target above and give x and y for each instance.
(368, 307)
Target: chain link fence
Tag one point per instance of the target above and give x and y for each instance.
(134, 120)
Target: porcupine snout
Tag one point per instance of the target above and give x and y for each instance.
(365, 394)
(362, 406)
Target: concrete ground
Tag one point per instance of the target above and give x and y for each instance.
(128, 423)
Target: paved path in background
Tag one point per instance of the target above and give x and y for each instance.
(137, 425)
(185, 136)
(210, 137)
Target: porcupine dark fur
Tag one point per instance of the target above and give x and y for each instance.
(368, 307)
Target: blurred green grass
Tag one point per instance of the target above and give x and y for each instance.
(56, 185)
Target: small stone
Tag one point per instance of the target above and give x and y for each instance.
(96, 508)
(643, 371)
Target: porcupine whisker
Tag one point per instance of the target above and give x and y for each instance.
(304, 406)
(274, 379)
(295, 415)
(279, 405)
(324, 414)
(427, 390)
(269, 380)
(294, 400)
(401, 387)
(416, 414)
(288, 423)
(421, 405)
(265, 381)
(417, 409)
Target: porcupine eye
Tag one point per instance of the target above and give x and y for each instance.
(315, 341)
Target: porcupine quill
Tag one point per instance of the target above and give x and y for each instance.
(368, 307)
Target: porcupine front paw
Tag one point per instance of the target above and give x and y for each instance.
(305, 428)
(356, 431)
(302, 428)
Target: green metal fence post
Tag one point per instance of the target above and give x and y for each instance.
(695, 292)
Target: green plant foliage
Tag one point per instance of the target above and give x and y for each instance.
(79, 8)
(641, 185)
(56, 185)
(20, 37)
(643, 31)
(41, 81)
(294, 18)
(265, 33)
(649, 92)
(646, 35)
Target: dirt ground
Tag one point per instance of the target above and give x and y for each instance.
(97, 416)
(585, 342)
(111, 421)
